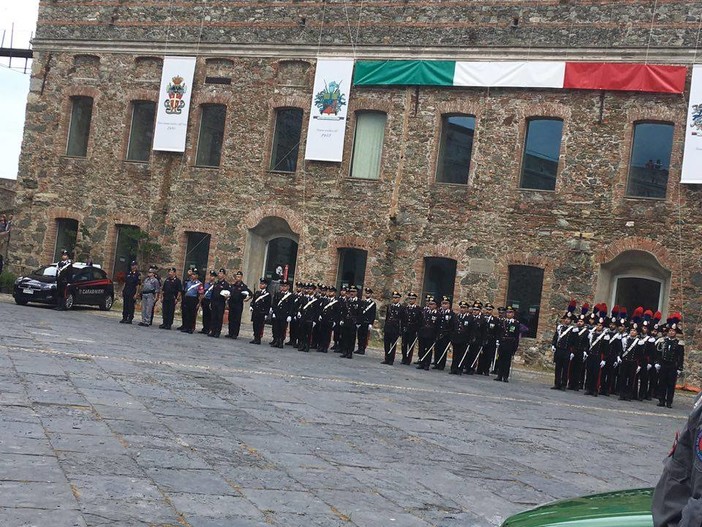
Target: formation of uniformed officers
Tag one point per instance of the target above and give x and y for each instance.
(636, 358)
(482, 339)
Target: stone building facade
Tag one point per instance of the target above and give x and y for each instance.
(258, 57)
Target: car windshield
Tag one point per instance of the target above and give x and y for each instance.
(49, 270)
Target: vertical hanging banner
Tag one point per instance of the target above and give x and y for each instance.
(692, 154)
(174, 104)
(330, 99)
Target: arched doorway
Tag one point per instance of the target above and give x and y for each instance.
(632, 279)
(269, 245)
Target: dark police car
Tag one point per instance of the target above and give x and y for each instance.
(86, 285)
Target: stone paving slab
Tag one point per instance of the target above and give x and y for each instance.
(102, 424)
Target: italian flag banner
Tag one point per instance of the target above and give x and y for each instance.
(522, 74)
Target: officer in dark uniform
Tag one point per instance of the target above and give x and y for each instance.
(578, 345)
(350, 315)
(63, 270)
(509, 340)
(260, 308)
(612, 348)
(443, 338)
(129, 293)
(368, 314)
(428, 330)
(328, 319)
(460, 337)
(207, 303)
(677, 498)
(412, 321)
(476, 339)
(240, 293)
(669, 363)
(658, 336)
(336, 348)
(220, 294)
(193, 291)
(631, 346)
(560, 348)
(392, 328)
(170, 293)
(596, 357)
(490, 336)
(308, 316)
(322, 291)
(297, 299)
(281, 309)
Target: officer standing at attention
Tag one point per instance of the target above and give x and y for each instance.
(207, 303)
(443, 340)
(669, 364)
(677, 500)
(240, 293)
(350, 318)
(427, 332)
(367, 319)
(410, 328)
(509, 340)
(459, 338)
(492, 328)
(150, 291)
(220, 293)
(393, 328)
(328, 319)
(171, 290)
(129, 293)
(281, 310)
(193, 291)
(307, 318)
(260, 306)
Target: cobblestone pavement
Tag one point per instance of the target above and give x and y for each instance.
(107, 424)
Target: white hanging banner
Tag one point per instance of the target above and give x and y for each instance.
(692, 155)
(174, 104)
(330, 99)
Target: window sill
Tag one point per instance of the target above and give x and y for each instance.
(66, 156)
(539, 190)
(134, 162)
(644, 198)
(362, 180)
(281, 172)
(205, 167)
(451, 185)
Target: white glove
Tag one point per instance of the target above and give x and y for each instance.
(272, 314)
(314, 324)
(320, 318)
(270, 311)
(648, 366)
(251, 309)
(497, 343)
(333, 325)
(658, 367)
(584, 356)
(602, 364)
(289, 319)
(370, 327)
(341, 323)
(358, 326)
(572, 356)
(447, 317)
(299, 315)
(679, 372)
(638, 369)
(619, 359)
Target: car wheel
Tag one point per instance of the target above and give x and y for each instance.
(21, 301)
(70, 301)
(106, 303)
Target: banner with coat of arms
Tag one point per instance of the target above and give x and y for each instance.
(330, 99)
(692, 157)
(174, 104)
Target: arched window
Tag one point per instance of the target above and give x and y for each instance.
(649, 164)
(352, 267)
(211, 136)
(286, 139)
(368, 145)
(524, 294)
(455, 149)
(542, 148)
(66, 235)
(439, 277)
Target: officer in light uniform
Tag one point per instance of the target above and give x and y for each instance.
(150, 291)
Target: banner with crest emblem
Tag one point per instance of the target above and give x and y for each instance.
(174, 104)
(330, 99)
(692, 155)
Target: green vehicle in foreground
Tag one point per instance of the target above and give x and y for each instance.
(622, 508)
